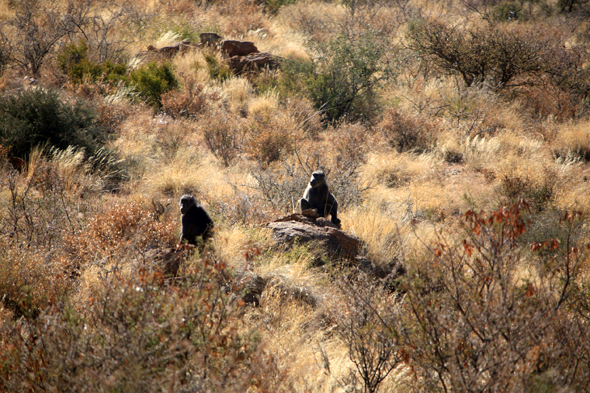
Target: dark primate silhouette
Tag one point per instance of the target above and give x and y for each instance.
(195, 221)
(317, 196)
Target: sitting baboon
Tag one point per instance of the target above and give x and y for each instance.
(195, 221)
(317, 196)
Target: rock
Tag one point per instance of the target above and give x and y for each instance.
(210, 39)
(254, 62)
(255, 286)
(304, 230)
(238, 48)
(172, 50)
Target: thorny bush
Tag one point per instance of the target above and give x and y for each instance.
(488, 314)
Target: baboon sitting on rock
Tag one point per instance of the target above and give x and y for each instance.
(317, 196)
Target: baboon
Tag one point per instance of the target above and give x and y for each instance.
(317, 196)
(195, 221)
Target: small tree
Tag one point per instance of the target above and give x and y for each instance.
(482, 55)
(349, 73)
(39, 26)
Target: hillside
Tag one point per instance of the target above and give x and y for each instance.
(454, 134)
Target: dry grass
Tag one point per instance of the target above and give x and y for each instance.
(66, 243)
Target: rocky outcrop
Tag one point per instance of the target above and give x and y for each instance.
(254, 62)
(303, 229)
(238, 48)
(244, 55)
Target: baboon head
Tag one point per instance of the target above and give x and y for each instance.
(186, 202)
(318, 178)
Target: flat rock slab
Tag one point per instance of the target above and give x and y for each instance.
(238, 48)
(254, 62)
(304, 230)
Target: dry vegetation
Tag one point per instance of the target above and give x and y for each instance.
(455, 134)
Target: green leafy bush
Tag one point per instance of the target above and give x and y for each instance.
(40, 117)
(217, 69)
(73, 60)
(152, 81)
(350, 72)
(293, 77)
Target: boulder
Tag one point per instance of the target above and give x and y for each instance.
(210, 39)
(254, 62)
(238, 48)
(297, 227)
(254, 287)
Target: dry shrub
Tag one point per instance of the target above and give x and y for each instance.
(137, 334)
(487, 314)
(264, 105)
(550, 101)
(42, 204)
(305, 115)
(350, 142)
(190, 102)
(242, 16)
(539, 192)
(407, 132)
(122, 229)
(270, 139)
(111, 115)
(572, 143)
(283, 186)
(366, 322)
(224, 134)
(237, 92)
(317, 20)
(30, 279)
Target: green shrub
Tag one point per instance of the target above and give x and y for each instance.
(73, 60)
(217, 70)
(39, 117)
(152, 81)
(349, 75)
(293, 76)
